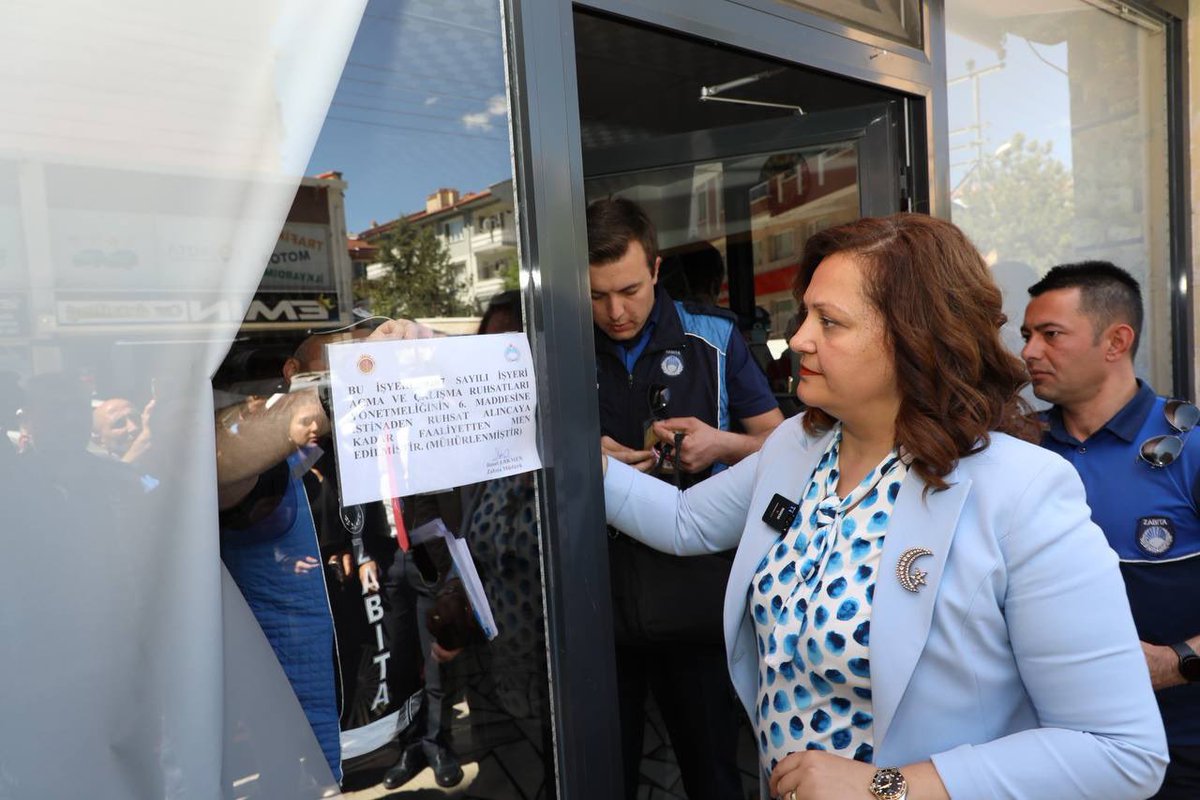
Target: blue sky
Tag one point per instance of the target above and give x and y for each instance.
(419, 106)
(1013, 100)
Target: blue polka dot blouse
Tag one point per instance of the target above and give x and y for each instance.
(811, 604)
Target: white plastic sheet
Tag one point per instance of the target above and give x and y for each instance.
(148, 157)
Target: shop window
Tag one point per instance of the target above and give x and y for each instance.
(1074, 171)
(895, 19)
(221, 620)
(782, 245)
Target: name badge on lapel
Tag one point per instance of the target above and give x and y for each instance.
(780, 513)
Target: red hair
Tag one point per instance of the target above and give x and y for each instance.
(942, 315)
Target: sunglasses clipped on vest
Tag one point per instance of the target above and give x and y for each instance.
(1161, 451)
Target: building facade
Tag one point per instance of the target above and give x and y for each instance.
(478, 231)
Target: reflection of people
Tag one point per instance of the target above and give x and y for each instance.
(119, 430)
(407, 582)
(408, 593)
(379, 673)
(695, 274)
(305, 428)
(920, 603)
(411, 583)
(56, 421)
(1082, 329)
(269, 545)
(503, 314)
(500, 524)
(293, 550)
(683, 374)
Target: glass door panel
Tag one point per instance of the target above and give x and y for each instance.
(754, 194)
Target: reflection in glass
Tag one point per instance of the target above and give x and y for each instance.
(788, 196)
(1076, 170)
(895, 19)
(408, 214)
(152, 182)
(191, 590)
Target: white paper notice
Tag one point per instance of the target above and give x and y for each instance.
(431, 414)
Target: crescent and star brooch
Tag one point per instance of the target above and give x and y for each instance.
(910, 578)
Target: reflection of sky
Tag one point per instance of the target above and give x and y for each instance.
(1028, 96)
(419, 106)
(299, 77)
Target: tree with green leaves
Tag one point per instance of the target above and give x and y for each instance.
(1018, 204)
(511, 274)
(420, 281)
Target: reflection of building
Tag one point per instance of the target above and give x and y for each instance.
(800, 193)
(476, 228)
(137, 267)
(788, 196)
(362, 255)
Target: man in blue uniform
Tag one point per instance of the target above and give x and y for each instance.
(681, 375)
(1141, 468)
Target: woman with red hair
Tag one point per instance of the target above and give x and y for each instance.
(920, 605)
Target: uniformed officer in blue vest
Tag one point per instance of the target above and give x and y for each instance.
(1141, 469)
(680, 396)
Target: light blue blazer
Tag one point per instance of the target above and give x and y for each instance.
(1017, 669)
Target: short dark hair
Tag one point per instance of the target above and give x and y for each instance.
(1107, 294)
(509, 301)
(694, 274)
(614, 222)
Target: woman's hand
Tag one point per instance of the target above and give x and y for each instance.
(643, 460)
(818, 775)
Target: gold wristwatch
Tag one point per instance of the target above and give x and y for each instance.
(889, 784)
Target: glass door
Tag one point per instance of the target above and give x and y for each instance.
(755, 193)
(737, 158)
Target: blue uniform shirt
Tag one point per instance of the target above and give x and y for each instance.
(1149, 516)
(694, 351)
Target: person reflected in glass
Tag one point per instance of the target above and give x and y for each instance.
(920, 605)
(56, 423)
(380, 660)
(269, 540)
(305, 428)
(120, 431)
(304, 431)
(419, 581)
(508, 684)
(269, 545)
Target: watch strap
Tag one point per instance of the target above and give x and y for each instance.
(1189, 661)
